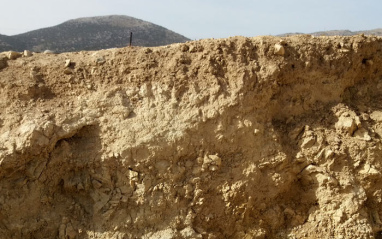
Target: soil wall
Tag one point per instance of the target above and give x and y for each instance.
(260, 137)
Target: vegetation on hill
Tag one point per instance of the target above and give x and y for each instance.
(92, 33)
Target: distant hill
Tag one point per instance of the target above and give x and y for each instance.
(5, 42)
(374, 32)
(93, 33)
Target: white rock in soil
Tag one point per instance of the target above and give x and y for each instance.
(376, 116)
(346, 124)
(27, 53)
(362, 134)
(189, 232)
(49, 52)
(164, 234)
(308, 142)
(279, 49)
(67, 63)
(12, 55)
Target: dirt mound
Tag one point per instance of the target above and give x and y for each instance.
(232, 138)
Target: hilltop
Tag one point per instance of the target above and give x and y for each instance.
(92, 33)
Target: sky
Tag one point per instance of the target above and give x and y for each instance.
(197, 19)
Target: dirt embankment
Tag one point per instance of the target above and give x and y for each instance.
(232, 138)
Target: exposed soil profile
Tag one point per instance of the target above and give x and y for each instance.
(262, 137)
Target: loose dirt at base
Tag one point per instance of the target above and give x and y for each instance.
(260, 137)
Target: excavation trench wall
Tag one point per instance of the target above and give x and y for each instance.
(232, 138)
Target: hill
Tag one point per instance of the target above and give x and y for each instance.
(374, 32)
(93, 33)
(5, 42)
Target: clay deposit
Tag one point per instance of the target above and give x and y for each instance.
(232, 138)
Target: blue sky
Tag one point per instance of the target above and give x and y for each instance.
(202, 18)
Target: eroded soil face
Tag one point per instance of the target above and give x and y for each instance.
(232, 138)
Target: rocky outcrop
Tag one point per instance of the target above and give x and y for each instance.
(230, 138)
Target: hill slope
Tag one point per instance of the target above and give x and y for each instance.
(5, 42)
(92, 33)
(374, 32)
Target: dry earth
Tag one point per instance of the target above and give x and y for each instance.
(233, 138)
